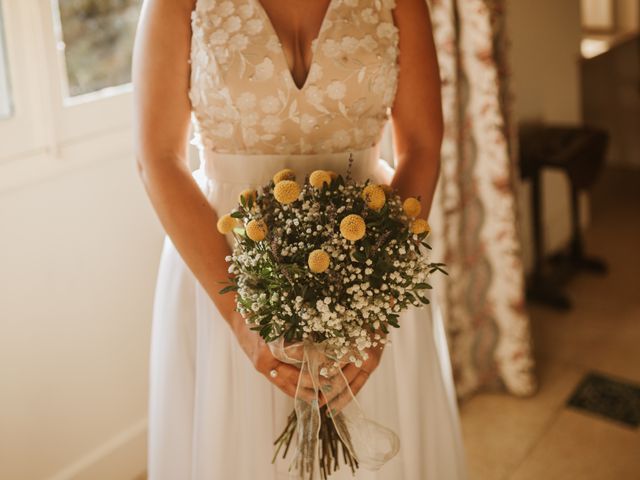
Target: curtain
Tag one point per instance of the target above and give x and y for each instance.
(474, 217)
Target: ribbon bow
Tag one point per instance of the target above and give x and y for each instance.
(370, 443)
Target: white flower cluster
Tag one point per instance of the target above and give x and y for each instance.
(367, 284)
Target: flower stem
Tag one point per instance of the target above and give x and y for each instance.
(329, 444)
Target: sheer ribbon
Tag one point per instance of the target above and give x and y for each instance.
(370, 443)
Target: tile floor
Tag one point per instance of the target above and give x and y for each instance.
(539, 438)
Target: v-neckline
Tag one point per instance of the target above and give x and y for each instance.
(281, 52)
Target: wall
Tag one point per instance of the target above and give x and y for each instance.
(544, 55)
(627, 15)
(611, 100)
(611, 85)
(78, 259)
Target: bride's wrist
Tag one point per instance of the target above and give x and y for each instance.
(242, 332)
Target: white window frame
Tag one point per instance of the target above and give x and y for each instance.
(23, 132)
(47, 132)
(6, 104)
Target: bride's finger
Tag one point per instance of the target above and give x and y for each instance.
(286, 371)
(358, 382)
(347, 394)
(294, 374)
(290, 388)
(350, 372)
(307, 395)
(334, 387)
(285, 387)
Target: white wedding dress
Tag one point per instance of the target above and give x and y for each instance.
(211, 415)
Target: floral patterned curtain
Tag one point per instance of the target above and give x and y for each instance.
(474, 217)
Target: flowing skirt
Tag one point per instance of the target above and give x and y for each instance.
(213, 417)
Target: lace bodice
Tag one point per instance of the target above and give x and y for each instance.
(244, 98)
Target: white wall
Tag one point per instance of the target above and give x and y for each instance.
(78, 259)
(545, 52)
(544, 56)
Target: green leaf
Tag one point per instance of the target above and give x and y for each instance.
(265, 331)
(229, 288)
(426, 245)
(423, 299)
(393, 322)
(437, 267)
(360, 256)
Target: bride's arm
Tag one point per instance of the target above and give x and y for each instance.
(162, 113)
(417, 110)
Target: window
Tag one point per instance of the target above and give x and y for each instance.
(96, 37)
(6, 107)
(65, 91)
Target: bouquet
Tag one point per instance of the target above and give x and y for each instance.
(322, 270)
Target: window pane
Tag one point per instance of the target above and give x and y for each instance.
(5, 92)
(97, 37)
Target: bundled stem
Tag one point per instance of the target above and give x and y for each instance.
(329, 445)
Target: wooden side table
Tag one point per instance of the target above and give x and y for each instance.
(579, 152)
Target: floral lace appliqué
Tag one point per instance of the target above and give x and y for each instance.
(243, 96)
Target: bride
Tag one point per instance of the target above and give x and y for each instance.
(270, 84)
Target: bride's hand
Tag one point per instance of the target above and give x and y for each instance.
(259, 353)
(356, 378)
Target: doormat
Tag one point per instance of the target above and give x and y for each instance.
(608, 397)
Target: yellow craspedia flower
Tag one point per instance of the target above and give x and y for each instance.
(374, 197)
(247, 194)
(352, 227)
(284, 174)
(412, 207)
(420, 225)
(286, 191)
(318, 261)
(256, 230)
(386, 188)
(226, 223)
(319, 177)
(332, 174)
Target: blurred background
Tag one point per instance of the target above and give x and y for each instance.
(537, 214)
